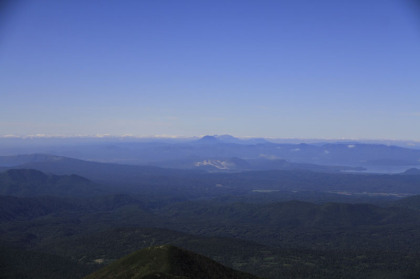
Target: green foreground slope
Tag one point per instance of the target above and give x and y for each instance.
(167, 262)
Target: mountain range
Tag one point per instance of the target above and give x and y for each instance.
(224, 150)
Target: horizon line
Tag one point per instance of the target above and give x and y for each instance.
(164, 136)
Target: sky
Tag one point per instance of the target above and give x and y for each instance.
(347, 69)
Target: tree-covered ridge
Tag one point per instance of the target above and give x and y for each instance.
(167, 262)
(265, 261)
(30, 183)
(270, 233)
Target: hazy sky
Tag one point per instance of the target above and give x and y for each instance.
(288, 69)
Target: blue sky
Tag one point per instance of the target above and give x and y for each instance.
(285, 69)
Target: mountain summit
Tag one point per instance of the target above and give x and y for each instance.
(167, 262)
(209, 140)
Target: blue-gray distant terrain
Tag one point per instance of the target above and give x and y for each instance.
(219, 153)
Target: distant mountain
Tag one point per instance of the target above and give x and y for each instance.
(412, 171)
(231, 139)
(104, 172)
(228, 138)
(116, 172)
(31, 183)
(208, 140)
(369, 154)
(278, 164)
(167, 262)
(16, 160)
(375, 157)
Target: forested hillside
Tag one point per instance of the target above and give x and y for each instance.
(239, 223)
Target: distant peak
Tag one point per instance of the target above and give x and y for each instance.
(227, 137)
(208, 139)
(412, 171)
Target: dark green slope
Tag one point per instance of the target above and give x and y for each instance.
(29, 208)
(167, 262)
(412, 202)
(292, 214)
(17, 263)
(25, 209)
(32, 183)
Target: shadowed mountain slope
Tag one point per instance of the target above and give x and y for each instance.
(412, 171)
(167, 262)
(95, 171)
(17, 263)
(412, 202)
(30, 183)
